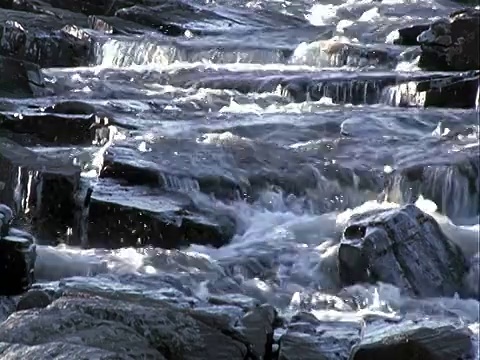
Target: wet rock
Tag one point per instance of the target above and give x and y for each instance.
(162, 18)
(404, 247)
(51, 129)
(257, 327)
(126, 328)
(34, 299)
(116, 26)
(343, 54)
(38, 38)
(407, 36)
(19, 78)
(421, 339)
(309, 338)
(452, 44)
(121, 216)
(92, 7)
(61, 124)
(7, 306)
(453, 92)
(41, 190)
(17, 256)
(53, 349)
(6, 217)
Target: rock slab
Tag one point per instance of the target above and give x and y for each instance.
(404, 247)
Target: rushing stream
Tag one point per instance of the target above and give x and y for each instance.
(232, 101)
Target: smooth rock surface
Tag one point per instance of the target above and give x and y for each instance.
(404, 247)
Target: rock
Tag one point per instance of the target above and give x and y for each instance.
(92, 7)
(34, 299)
(127, 328)
(6, 217)
(309, 338)
(41, 190)
(56, 128)
(453, 92)
(17, 257)
(351, 54)
(19, 78)
(458, 90)
(407, 36)
(53, 350)
(257, 327)
(171, 18)
(422, 339)
(452, 44)
(404, 247)
(38, 38)
(7, 307)
(120, 216)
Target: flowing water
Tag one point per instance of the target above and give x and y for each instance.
(257, 77)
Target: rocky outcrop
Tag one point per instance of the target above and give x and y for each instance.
(38, 37)
(17, 256)
(452, 44)
(404, 247)
(423, 339)
(123, 328)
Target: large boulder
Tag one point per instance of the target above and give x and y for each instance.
(419, 339)
(126, 328)
(17, 256)
(404, 247)
(452, 44)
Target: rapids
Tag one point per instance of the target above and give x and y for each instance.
(236, 79)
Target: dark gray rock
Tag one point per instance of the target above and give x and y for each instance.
(41, 190)
(34, 299)
(407, 36)
(17, 256)
(121, 216)
(404, 247)
(308, 338)
(257, 325)
(60, 351)
(6, 217)
(453, 92)
(39, 38)
(342, 53)
(62, 124)
(19, 78)
(423, 339)
(126, 328)
(452, 44)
